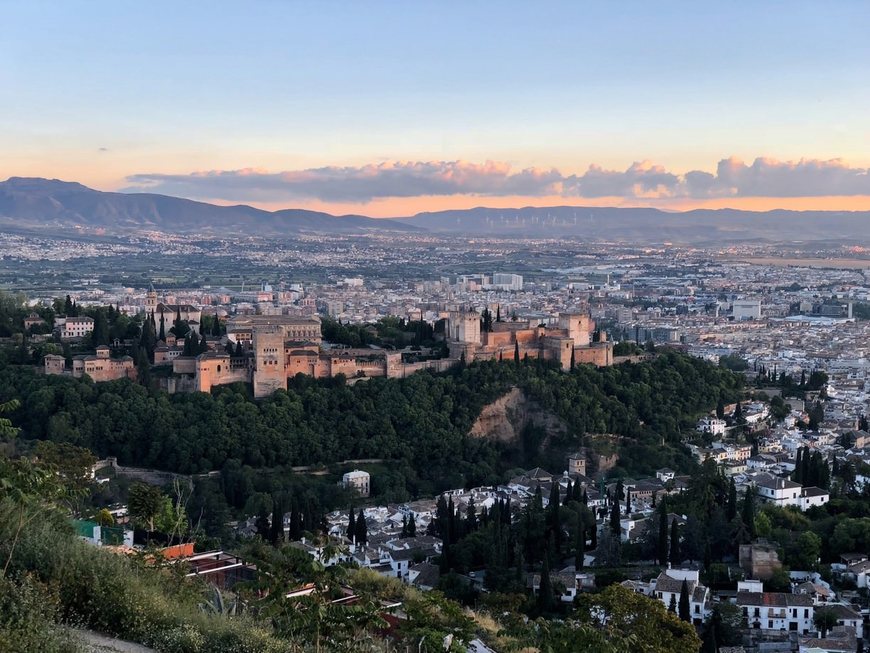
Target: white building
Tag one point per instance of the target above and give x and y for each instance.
(777, 611)
(669, 584)
(784, 492)
(502, 281)
(358, 480)
(746, 309)
(712, 425)
(778, 491)
(76, 327)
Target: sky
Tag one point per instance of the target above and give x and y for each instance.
(391, 108)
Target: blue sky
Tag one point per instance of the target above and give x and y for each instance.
(125, 95)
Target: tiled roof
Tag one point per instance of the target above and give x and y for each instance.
(774, 599)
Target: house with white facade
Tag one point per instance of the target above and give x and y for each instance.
(777, 611)
(712, 425)
(76, 327)
(669, 584)
(785, 492)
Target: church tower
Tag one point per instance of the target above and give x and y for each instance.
(151, 300)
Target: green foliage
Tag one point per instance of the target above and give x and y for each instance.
(733, 362)
(420, 421)
(115, 595)
(28, 619)
(623, 614)
(145, 504)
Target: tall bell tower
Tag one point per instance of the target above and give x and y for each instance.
(151, 300)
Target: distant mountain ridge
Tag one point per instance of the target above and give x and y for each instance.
(50, 204)
(649, 225)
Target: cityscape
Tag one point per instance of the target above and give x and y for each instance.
(356, 327)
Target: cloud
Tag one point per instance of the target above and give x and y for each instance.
(767, 177)
(642, 179)
(764, 177)
(358, 184)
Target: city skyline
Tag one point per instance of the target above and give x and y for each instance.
(387, 112)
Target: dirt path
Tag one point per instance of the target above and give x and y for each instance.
(97, 643)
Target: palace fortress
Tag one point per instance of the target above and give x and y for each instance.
(280, 347)
(267, 350)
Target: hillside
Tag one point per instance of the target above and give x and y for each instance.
(649, 225)
(50, 204)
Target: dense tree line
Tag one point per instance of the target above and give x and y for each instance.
(421, 420)
(389, 332)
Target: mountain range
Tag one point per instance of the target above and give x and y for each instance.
(52, 205)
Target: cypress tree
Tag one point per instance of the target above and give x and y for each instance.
(162, 334)
(351, 525)
(748, 512)
(662, 549)
(685, 611)
(731, 506)
(581, 546)
(545, 589)
(362, 534)
(203, 345)
(295, 523)
(554, 517)
(516, 353)
(143, 367)
(276, 532)
(672, 606)
(627, 502)
(798, 469)
(470, 518)
(675, 557)
(614, 519)
(573, 359)
(412, 526)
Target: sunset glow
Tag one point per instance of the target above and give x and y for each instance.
(343, 107)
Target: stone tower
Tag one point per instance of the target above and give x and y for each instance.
(578, 327)
(151, 300)
(269, 373)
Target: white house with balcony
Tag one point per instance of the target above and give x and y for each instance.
(777, 611)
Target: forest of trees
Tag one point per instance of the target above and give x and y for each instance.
(388, 332)
(420, 422)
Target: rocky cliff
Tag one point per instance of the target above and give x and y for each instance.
(505, 418)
